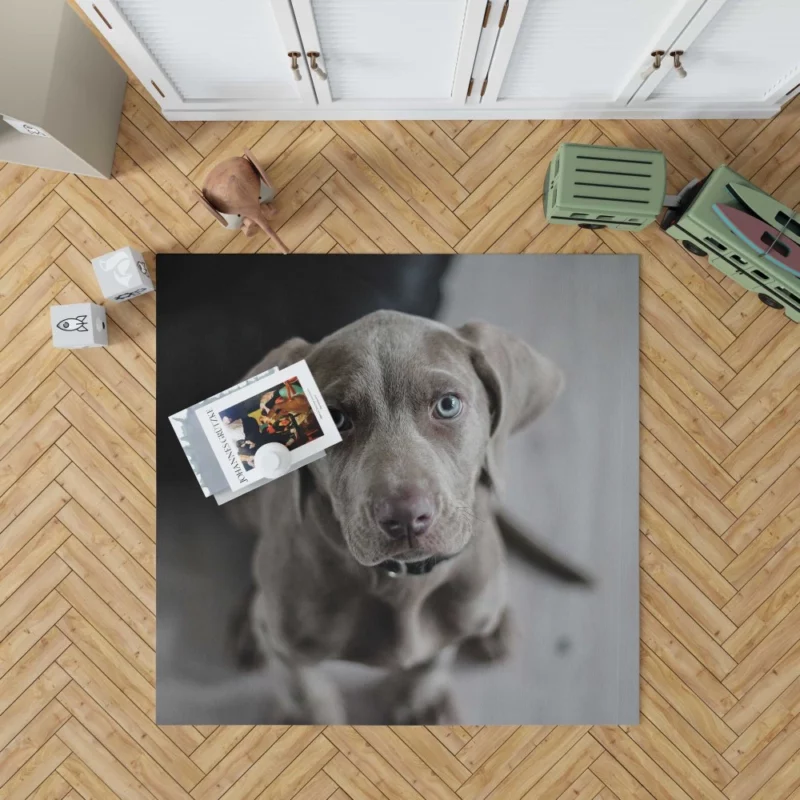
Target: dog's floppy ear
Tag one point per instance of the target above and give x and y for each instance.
(294, 349)
(520, 382)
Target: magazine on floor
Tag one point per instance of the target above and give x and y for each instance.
(230, 438)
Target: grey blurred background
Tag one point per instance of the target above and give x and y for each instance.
(572, 477)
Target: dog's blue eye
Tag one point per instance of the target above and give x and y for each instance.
(448, 406)
(340, 419)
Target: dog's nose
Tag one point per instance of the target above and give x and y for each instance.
(408, 513)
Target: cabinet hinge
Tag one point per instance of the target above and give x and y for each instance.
(503, 15)
(483, 88)
(487, 12)
(469, 88)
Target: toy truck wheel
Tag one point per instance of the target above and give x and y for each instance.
(592, 226)
(693, 248)
(769, 301)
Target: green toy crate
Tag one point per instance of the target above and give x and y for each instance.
(696, 225)
(605, 187)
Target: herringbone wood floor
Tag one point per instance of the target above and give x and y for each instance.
(720, 471)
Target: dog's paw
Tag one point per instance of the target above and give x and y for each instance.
(440, 710)
(495, 646)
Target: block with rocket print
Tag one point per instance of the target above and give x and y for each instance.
(78, 325)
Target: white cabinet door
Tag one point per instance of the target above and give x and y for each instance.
(579, 55)
(207, 54)
(390, 54)
(746, 51)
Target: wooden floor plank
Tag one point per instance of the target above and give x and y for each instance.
(25, 199)
(144, 189)
(674, 293)
(30, 630)
(133, 213)
(362, 223)
(700, 280)
(772, 611)
(109, 588)
(92, 769)
(267, 141)
(31, 593)
(97, 685)
(452, 127)
(437, 143)
(421, 217)
(229, 770)
(513, 750)
(139, 148)
(30, 557)
(160, 132)
(12, 176)
(685, 738)
(30, 267)
(110, 480)
(109, 552)
(209, 135)
(755, 617)
(688, 416)
(504, 227)
(543, 773)
(764, 400)
(494, 187)
(681, 553)
(701, 140)
(296, 153)
(691, 635)
(110, 624)
(684, 592)
(105, 223)
(685, 159)
(43, 716)
(771, 685)
(475, 134)
(109, 516)
(109, 443)
(618, 781)
(485, 160)
(38, 768)
(426, 168)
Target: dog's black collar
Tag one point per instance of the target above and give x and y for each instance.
(396, 569)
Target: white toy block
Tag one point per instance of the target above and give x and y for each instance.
(122, 274)
(78, 325)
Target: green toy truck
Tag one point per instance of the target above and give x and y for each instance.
(610, 187)
(700, 230)
(605, 187)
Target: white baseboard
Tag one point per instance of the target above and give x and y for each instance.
(738, 111)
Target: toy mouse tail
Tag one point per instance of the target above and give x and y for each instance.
(267, 228)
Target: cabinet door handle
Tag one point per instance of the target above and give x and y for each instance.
(676, 60)
(295, 66)
(321, 74)
(657, 55)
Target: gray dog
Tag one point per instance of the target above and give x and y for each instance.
(388, 551)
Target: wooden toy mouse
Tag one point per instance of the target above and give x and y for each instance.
(234, 188)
